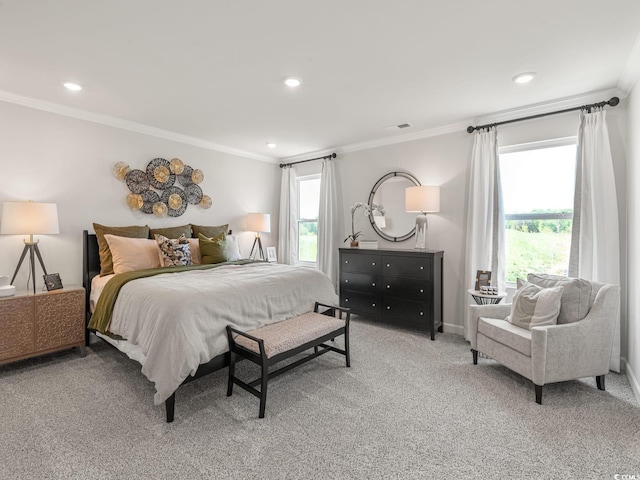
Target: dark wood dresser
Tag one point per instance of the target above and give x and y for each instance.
(400, 286)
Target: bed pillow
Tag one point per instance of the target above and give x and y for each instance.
(171, 232)
(535, 306)
(106, 261)
(174, 252)
(213, 250)
(233, 248)
(194, 246)
(130, 254)
(209, 232)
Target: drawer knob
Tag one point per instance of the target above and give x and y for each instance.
(421, 268)
(421, 313)
(373, 284)
(421, 290)
(388, 307)
(346, 261)
(373, 304)
(373, 263)
(346, 300)
(346, 281)
(388, 264)
(388, 286)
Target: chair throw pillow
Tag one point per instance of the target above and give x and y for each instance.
(213, 250)
(174, 252)
(576, 296)
(534, 306)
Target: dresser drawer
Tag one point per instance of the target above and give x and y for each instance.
(400, 266)
(360, 302)
(361, 263)
(361, 282)
(406, 310)
(411, 288)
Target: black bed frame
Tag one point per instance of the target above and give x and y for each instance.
(91, 268)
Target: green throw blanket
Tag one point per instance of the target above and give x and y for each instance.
(101, 317)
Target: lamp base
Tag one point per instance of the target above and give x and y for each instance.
(258, 250)
(32, 248)
(421, 232)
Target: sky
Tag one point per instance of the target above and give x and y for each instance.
(538, 179)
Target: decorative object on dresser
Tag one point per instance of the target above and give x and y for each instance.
(403, 286)
(35, 324)
(259, 223)
(369, 209)
(30, 218)
(396, 225)
(424, 199)
(6, 290)
(155, 191)
(52, 281)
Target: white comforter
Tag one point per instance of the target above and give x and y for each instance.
(178, 320)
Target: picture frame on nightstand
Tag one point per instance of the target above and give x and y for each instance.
(52, 281)
(483, 279)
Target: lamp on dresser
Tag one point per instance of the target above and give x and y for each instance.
(29, 218)
(259, 223)
(423, 199)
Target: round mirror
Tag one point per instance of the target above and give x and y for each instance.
(395, 224)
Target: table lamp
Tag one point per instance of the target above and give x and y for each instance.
(29, 218)
(259, 223)
(424, 199)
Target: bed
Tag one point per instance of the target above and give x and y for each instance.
(173, 321)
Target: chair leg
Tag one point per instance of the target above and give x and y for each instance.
(538, 394)
(600, 382)
(232, 370)
(475, 356)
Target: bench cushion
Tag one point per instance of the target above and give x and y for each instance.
(289, 334)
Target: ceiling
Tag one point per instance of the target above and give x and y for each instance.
(211, 72)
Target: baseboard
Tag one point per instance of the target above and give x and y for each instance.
(633, 381)
(451, 328)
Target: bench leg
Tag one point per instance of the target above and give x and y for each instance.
(232, 370)
(263, 389)
(346, 346)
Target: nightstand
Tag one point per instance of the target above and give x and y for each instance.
(35, 324)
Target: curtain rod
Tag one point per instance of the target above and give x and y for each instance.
(613, 102)
(282, 165)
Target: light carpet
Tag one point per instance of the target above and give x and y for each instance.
(408, 408)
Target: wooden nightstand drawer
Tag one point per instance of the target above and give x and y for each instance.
(16, 327)
(59, 319)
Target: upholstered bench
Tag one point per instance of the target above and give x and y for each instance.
(273, 343)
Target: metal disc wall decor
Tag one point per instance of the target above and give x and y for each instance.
(185, 177)
(155, 191)
(175, 200)
(159, 174)
(194, 194)
(149, 197)
(137, 181)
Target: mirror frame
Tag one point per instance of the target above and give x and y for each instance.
(390, 238)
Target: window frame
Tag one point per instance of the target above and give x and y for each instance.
(538, 145)
(299, 219)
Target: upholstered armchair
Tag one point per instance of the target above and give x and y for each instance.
(579, 345)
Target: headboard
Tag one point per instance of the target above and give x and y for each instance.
(90, 265)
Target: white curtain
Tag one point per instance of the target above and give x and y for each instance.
(595, 246)
(287, 239)
(328, 222)
(485, 215)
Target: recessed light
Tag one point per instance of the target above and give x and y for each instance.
(292, 82)
(524, 77)
(74, 87)
(271, 145)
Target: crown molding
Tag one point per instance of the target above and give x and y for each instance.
(354, 147)
(631, 73)
(127, 125)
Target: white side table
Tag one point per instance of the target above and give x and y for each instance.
(485, 299)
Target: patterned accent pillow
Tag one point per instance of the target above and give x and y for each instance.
(174, 253)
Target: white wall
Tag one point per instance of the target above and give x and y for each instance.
(633, 241)
(51, 158)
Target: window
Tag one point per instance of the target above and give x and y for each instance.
(538, 182)
(308, 210)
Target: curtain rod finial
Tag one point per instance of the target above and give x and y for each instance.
(470, 129)
(614, 101)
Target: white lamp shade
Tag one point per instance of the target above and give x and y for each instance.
(423, 198)
(29, 218)
(259, 222)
